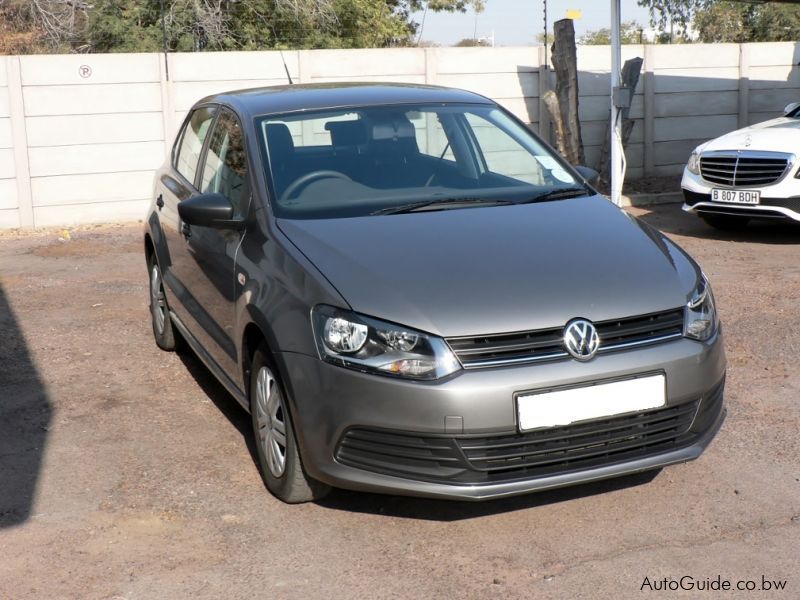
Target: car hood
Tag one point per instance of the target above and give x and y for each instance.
(777, 135)
(498, 269)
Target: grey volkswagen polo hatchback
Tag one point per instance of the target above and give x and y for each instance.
(411, 293)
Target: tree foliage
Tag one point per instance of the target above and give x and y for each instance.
(725, 21)
(30, 26)
(679, 12)
(471, 43)
(738, 22)
(630, 33)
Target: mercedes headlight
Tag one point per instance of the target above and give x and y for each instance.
(351, 340)
(694, 163)
(701, 313)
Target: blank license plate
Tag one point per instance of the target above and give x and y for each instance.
(562, 407)
(735, 196)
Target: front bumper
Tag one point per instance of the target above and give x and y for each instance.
(379, 434)
(780, 201)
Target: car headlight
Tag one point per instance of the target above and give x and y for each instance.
(694, 163)
(351, 340)
(701, 313)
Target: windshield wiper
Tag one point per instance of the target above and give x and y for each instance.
(556, 194)
(440, 203)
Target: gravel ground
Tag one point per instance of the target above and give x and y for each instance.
(127, 472)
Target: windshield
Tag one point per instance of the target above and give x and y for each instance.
(385, 159)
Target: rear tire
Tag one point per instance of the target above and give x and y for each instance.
(163, 330)
(278, 456)
(726, 222)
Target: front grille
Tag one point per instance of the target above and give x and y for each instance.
(548, 344)
(555, 450)
(743, 170)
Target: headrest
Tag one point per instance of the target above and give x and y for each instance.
(393, 128)
(279, 140)
(347, 133)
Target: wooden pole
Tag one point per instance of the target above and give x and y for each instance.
(565, 65)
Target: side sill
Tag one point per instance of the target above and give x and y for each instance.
(210, 363)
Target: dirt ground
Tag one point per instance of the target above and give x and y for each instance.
(127, 472)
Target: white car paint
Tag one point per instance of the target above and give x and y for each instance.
(781, 135)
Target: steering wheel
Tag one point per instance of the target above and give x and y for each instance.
(310, 178)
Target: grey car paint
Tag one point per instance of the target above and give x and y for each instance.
(507, 268)
(493, 269)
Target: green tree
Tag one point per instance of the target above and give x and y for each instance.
(630, 33)
(738, 22)
(471, 43)
(725, 21)
(31, 26)
(677, 12)
(28, 26)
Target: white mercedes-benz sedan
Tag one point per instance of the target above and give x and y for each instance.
(750, 173)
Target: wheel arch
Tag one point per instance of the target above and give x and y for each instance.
(149, 247)
(155, 243)
(257, 333)
(252, 339)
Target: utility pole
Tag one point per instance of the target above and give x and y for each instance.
(545, 34)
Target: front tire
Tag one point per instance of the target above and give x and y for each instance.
(163, 329)
(278, 456)
(726, 222)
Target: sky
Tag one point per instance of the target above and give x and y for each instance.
(517, 22)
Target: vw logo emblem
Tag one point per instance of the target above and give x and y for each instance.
(581, 339)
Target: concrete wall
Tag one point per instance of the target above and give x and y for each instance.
(81, 135)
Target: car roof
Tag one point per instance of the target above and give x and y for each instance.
(290, 98)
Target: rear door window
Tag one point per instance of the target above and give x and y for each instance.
(193, 136)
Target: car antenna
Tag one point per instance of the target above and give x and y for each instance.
(286, 68)
(283, 60)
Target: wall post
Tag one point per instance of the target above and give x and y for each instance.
(304, 66)
(649, 111)
(167, 102)
(431, 66)
(544, 85)
(19, 139)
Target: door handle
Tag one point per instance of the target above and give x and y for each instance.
(186, 230)
(160, 201)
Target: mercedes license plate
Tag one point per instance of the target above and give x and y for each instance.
(736, 196)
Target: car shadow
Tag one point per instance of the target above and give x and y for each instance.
(453, 510)
(670, 218)
(25, 414)
(217, 393)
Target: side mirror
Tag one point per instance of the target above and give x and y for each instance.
(589, 174)
(791, 107)
(209, 210)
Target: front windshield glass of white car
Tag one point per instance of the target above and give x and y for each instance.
(391, 159)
